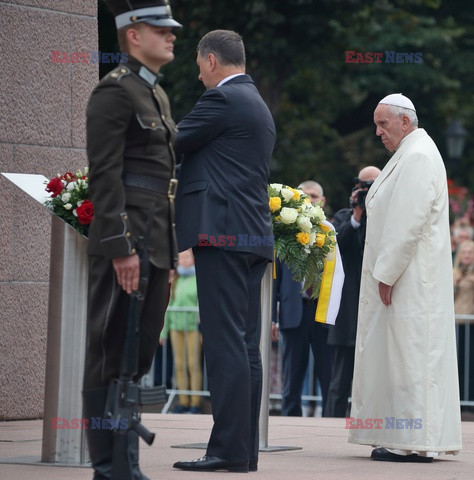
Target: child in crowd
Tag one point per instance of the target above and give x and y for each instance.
(183, 329)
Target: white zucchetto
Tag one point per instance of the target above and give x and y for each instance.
(398, 100)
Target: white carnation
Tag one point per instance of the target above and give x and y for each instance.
(288, 215)
(304, 223)
(65, 197)
(287, 194)
(71, 186)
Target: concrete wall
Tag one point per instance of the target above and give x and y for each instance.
(42, 130)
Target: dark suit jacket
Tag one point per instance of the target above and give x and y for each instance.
(222, 191)
(351, 245)
(288, 293)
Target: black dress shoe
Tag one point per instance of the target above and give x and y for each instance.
(383, 455)
(211, 464)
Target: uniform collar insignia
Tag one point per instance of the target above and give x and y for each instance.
(149, 76)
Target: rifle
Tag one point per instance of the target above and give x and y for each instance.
(124, 396)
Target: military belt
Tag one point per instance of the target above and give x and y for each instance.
(156, 185)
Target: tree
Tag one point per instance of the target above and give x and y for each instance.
(323, 106)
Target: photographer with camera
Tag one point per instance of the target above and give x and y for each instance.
(350, 224)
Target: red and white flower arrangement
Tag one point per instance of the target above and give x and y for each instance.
(70, 199)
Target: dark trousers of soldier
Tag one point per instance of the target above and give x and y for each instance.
(296, 343)
(107, 321)
(340, 387)
(229, 305)
(106, 327)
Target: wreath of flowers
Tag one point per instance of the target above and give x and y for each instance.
(302, 240)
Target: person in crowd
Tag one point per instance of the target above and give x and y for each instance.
(183, 329)
(461, 231)
(405, 369)
(293, 312)
(463, 275)
(350, 224)
(222, 213)
(130, 135)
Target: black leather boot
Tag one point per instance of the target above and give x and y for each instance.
(99, 441)
(133, 455)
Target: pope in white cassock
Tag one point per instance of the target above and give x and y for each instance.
(405, 395)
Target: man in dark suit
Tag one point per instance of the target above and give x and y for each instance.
(130, 134)
(222, 213)
(294, 313)
(350, 225)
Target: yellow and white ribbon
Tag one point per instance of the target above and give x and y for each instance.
(331, 286)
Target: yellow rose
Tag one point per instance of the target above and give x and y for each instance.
(296, 194)
(274, 203)
(320, 238)
(302, 237)
(307, 200)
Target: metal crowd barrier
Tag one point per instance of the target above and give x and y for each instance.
(463, 323)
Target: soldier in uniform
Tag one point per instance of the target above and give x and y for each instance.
(130, 136)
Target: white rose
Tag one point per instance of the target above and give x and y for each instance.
(312, 238)
(276, 186)
(307, 209)
(70, 186)
(287, 194)
(288, 215)
(65, 197)
(318, 214)
(68, 206)
(304, 223)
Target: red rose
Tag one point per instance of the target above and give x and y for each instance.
(85, 213)
(55, 186)
(69, 177)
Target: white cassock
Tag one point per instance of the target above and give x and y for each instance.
(405, 369)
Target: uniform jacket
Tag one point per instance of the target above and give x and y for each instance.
(130, 129)
(351, 245)
(224, 174)
(405, 354)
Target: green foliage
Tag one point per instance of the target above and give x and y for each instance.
(323, 106)
(302, 241)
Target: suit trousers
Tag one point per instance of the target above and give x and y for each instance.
(107, 320)
(296, 343)
(340, 387)
(229, 285)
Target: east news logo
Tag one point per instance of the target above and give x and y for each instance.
(383, 57)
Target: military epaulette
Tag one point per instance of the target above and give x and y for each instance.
(119, 72)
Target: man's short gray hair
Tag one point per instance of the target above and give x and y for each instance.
(399, 111)
(226, 45)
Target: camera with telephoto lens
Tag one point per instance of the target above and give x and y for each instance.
(363, 187)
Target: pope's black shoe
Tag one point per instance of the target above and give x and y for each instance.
(211, 464)
(383, 455)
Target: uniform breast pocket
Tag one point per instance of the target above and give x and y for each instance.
(154, 132)
(150, 122)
